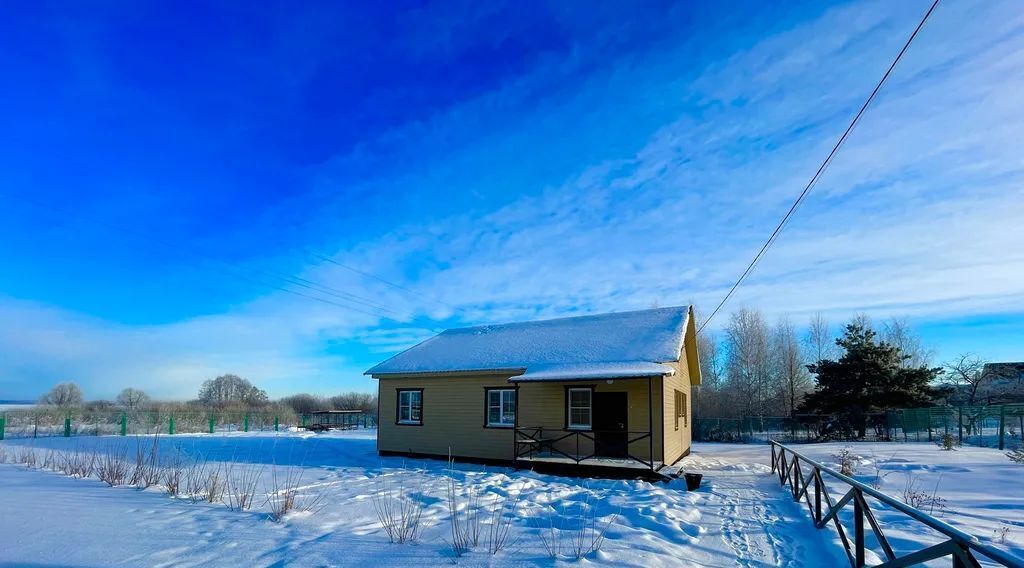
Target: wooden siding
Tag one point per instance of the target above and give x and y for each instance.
(676, 442)
(453, 418)
(453, 415)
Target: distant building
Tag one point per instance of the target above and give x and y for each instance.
(1004, 384)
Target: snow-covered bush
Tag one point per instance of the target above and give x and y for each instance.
(398, 512)
(846, 461)
(113, 466)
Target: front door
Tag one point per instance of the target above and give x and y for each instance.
(610, 419)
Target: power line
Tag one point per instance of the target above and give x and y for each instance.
(821, 169)
(409, 291)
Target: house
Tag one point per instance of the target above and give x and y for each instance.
(589, 394)
(1004, 383)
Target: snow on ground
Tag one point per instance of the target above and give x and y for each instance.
(739, 517)
(979, 488)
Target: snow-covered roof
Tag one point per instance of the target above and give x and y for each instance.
(612, 370)
(622, 344)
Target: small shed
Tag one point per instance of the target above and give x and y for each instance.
(321, 420)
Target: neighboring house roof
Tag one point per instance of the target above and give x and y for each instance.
(622, 344)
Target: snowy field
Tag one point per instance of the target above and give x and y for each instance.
(740, 516)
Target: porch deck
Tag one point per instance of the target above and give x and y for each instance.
(620, 463)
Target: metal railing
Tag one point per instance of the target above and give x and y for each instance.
(576, 445)
(810, 486)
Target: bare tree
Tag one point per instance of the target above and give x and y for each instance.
(748, 363)
(897, 332)
(132, 399)
(966, 374)
(819, 342)
(708, 396)
(64, 395)
(789, 363)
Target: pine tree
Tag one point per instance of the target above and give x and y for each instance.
(871, 376)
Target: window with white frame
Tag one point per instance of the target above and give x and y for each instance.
(501, 408)
(410, 406)
(580, 408)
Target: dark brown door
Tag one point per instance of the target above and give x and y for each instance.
(610, 419)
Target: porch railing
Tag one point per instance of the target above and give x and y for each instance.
(576, 445)
(809, 485)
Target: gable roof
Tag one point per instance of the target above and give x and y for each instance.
(621, 344)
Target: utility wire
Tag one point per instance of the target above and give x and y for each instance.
(409, 291)
(821, 169)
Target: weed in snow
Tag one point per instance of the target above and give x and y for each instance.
(914, 496)
(285, 493)
(846, 461)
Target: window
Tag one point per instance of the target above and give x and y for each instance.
(501, 407)
(580, 410)
(410, 406)
(680, 408)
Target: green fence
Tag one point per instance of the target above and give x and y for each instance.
(988, 426)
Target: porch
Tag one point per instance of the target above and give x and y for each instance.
(607, 426)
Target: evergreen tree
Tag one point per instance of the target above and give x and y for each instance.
(871, 376)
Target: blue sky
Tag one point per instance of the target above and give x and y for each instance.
(167, 167)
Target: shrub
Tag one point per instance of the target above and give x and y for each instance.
(589, 531)
(503, 513)
(948, 442)
(846, 461)
(26, 457)
(113, 467)
(464, 514)
(77, 464)
(285, 495)
(147, 471)
(1016, 456)
(919, 499)
(398, 513)
(240, 487)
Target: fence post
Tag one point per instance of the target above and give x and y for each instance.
(1003, 425)
(3, 423)
(213, 422)
(960, 422)
(245, 422)
(124, 424)
(67, 425)
(277, 424)
(858, 528)
(303, 420)
(170, 425)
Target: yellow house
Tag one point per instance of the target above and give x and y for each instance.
(588, 394)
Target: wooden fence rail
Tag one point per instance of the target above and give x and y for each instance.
(806, 480)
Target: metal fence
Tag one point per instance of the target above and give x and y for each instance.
(42, 422)
(987, 426)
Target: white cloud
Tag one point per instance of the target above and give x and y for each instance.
(919, 214)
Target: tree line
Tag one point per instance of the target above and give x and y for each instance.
(753, 368)
(223, 393)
